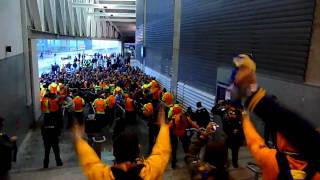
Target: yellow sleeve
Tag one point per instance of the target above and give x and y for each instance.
(83, 102)
(170, 113)
(261, 153)
(93, 168)
(157, 162)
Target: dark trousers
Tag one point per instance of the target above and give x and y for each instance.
(235, 155)
(185, 141)
(79, 117)
(131, 117)
(70, 119)
(56, 117)
(153, 134)
(52, 142)
(269, 133)
(110, 115)
(101, 119)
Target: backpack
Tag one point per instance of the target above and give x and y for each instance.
(132, 173)
(6, 154)
(285, 173)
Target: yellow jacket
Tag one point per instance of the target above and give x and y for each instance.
(153, 169)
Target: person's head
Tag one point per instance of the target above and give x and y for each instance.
(199, 104)
(126, 147)
(245, 76)
(189, 109)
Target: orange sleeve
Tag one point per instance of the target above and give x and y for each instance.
(93, 168)
(193, 125)
(263, 155)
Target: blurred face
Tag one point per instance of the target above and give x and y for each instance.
(238, 92)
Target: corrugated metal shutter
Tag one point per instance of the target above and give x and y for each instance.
(189, 96)
(212, 32)
(159, 35)
(140, 27)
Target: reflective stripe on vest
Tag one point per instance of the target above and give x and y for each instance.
(45, 105)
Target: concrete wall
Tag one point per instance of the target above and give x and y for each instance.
(13, 96)
(313, 73)
(10, 29)
(301, 98)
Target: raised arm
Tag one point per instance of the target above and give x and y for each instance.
(93, 168)
(157, 162)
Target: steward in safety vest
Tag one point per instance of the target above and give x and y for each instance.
(174, 110)
(130, 110)
(43, 90)
(45, 107)
(167, 99)
(62, 93)
(53, 103)
(147, 110)
(78, 103)
(111, 101)
(54, 109)
(100, 105)
(129, 105)
(54, 88)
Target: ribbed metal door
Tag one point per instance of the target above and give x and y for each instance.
(212, 32)
(140, 27)
(159, 35)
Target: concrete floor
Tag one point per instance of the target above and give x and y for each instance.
(30, 157)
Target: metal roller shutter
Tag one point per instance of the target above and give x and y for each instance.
(140, 27)
(159, 35)
(277, 33)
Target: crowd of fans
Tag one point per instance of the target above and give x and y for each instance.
(120, 87)
(94, 98)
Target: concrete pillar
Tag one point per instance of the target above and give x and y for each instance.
(35, 80)
(24, 30)
(176, 47)
(313, 66)
(144, 33)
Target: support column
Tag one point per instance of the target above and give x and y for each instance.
(143, 63)
(27, 72)
(313, 66)
(176, 47)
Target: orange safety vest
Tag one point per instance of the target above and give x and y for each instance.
(63, 95)
(53, 105)
(111, 101)
(78, 104)
(43, 92)
(129, 105)
(156, 93)
(53, 88)
(99, 105)
(45, 105)
(167, 98)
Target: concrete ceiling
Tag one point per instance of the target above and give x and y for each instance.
(119, 13)
(107, 19)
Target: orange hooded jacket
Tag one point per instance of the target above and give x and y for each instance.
(266, 157)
